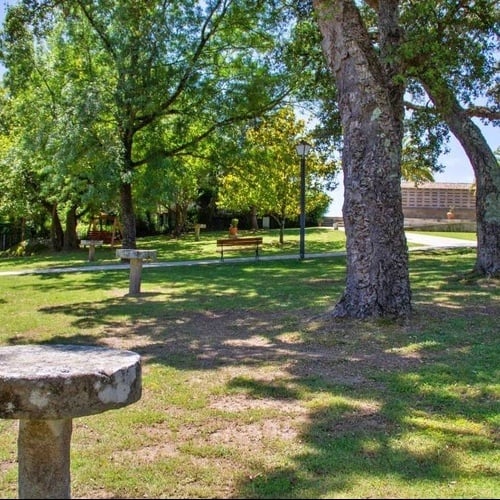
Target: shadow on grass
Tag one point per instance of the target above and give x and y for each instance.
(373, 383)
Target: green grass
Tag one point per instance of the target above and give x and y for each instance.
(250, 390)
(318, 240)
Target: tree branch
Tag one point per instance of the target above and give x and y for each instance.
(215, 126)
(473, 111)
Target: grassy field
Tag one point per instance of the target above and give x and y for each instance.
(318, 240)
(252, 390)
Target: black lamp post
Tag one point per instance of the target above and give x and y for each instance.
(302, 149)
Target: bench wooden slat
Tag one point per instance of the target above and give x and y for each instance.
(255, 242)
(106, 236)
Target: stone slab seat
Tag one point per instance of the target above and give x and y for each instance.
(92, 244)
(133, 253)
(45, 387)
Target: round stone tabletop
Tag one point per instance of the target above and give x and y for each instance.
(47, 382)
(92, 242)
(132, 253)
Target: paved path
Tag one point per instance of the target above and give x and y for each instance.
(427, 242)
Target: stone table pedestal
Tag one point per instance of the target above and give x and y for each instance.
(136, 257)
(197, 228)
(91, 244)
(45, 387)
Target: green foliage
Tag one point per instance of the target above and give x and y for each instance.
(27, 248)
(116, 89)
(450, 46)
(266, 174)
(412, 167)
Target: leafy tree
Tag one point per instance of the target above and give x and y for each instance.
(443, 51)
(265, 177)
(412, 168)
(449, 58)
(52, 153)
(174, 186)
(160, 77)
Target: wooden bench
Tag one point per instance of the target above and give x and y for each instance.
(105, 236)
(234, 243)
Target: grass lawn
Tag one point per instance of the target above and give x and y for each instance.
(318, 240)
(250, 388)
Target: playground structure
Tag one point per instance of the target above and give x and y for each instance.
(106, 228)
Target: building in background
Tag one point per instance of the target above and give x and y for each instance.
(435, 200)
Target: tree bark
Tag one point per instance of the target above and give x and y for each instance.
(281, 223)
(127, 216)
(70, 236)
(180, 215)
(487, 173)
(253, 218)
(371, 109)
(56, 230)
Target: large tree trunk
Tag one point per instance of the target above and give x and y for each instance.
(371, 109)
(56, 230)
(487, 174)
(70, 236)
(180, 219)
(253, 218)
(281, 223)
(127, 216)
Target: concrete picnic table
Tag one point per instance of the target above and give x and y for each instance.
(197, 228)
(136, 257)
(45, 387)
(91, 244)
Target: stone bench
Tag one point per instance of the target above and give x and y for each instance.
(197, 228)
(45, 387)
(91, 244)
(136, 257)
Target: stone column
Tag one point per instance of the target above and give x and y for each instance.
(91, 252)
(135, 257)
(135, 276)
(44, 458)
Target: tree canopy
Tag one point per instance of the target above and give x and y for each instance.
(265, 175)
(136, 83)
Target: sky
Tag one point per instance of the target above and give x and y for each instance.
(457, 165)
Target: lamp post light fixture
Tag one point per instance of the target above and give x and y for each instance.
(302, 149)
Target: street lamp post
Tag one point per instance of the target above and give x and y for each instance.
(302, 149)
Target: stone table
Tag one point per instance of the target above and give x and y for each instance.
(136, 258)
(91, 244)
(197, 228)
(45, 387)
